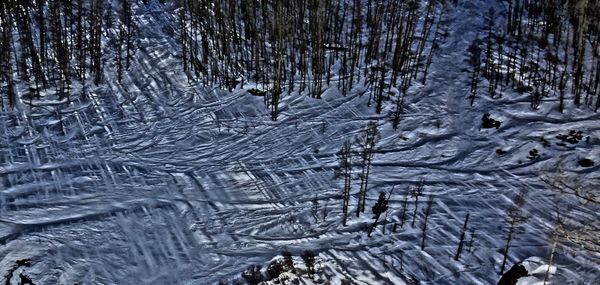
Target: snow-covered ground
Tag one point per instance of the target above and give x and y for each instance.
(167, 182)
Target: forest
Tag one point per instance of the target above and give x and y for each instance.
(547, 49)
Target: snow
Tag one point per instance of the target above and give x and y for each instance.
(158, 181)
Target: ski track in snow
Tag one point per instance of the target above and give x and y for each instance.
(169, 182)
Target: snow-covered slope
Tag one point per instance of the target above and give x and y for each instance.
(167, 182)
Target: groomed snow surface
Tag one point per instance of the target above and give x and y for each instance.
(158, 181)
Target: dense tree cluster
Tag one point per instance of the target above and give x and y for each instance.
(282, 46)
(50, 44)
(546, 48)
(310, 45)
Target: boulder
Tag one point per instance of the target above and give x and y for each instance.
(511, 277)
(586, 162)
(487, 122)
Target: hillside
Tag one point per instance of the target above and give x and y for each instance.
(157, 173)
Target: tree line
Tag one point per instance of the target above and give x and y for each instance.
(282, 46)
(310, 45)
(547, 49)
(49, 45)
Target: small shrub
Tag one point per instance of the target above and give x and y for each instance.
(252, 275)
(309, 260)
(533, 154)
(275, 269)
(573, 137)
(288, 261)
(586, 162)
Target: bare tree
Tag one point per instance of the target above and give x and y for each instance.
(475, 61)
(366, 144)
(514, 218)
(586, 192)
(344, 170)
(558, 227)
(404, 208)
(425, 220)
(398, 111)
(574, 230)
(416, 193)
(462, 238)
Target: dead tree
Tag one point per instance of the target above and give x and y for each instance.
(416, 193)
(366, 144)
(425, 220)
(462, 238)
(583, 233)
(558, 227)
(434, 46)
(514, 217)
(96, 40)
(385, 218)
(6, 70)
(475, 60)
(404, 207)
(344, 170)
(398, 111)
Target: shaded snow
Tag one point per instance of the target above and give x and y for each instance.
(165, 182)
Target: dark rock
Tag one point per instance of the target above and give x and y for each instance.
(586, 162)
(573, 137)
(487, 122)
(23, 262)
(257, 92)
(25, 280)
(533, 154)
(522, 89)
(501, 151)
(511, 277)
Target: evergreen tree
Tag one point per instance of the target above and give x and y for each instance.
(379, 208)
